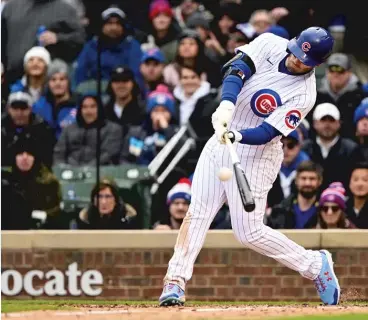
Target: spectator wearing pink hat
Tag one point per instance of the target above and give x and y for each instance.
(178, 200)
(332, 205)
(142, 143)
(165, 29)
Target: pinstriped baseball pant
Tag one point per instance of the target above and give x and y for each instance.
(262, 165)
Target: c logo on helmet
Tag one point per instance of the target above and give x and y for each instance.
(293, 118)
(264, 102)
(306, 46)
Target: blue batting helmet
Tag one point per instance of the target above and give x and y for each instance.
(312, 46)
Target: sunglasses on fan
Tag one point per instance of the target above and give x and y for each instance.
(290, 144)
(334, 209)
(337, 69)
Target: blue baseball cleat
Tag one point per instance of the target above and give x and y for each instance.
(172, 295)
(326, 283)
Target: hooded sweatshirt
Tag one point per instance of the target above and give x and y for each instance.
(187, 104)
(352, 85)
(77, 143)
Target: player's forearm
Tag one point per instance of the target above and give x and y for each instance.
(236, 72)
(231, 87)
(259, 135)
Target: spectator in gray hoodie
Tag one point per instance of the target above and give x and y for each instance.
(77, 143)
(62, 34)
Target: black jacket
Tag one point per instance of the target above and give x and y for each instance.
(133, 114)
(122, 217)
(339, 161)
(360, 220)
(283, 216)
(16, 211)
(364, 150)
(276, 194)
(38, 130)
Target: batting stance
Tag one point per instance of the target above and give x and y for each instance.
(268, 88)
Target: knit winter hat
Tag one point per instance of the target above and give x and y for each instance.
(361, 111)
(334, 193)
(39, 52)
(25, 144)
(161, 97)
(182, 190)
(113, 11)
(160, 6)
(57, 66)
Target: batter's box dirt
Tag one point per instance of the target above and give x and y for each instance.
(140, 312)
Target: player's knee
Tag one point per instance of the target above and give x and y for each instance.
(250, 236)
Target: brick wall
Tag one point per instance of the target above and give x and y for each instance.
(219, 274)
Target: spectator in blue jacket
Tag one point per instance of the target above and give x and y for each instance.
(117, 48)
(58, 107)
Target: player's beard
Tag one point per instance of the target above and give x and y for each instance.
(308, 194)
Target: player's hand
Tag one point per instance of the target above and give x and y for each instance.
(220, 131)
(48, 37)
(222, 116)
(234, 136)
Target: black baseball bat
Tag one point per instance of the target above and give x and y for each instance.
(241, 179)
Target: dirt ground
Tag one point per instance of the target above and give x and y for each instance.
(184, 313)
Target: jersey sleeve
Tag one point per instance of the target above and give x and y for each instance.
(289, 115)
(259, 49)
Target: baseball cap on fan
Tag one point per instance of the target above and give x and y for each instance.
(153, 54)
(326, 109)
(19, 100)
(122, 74)
(339, 61)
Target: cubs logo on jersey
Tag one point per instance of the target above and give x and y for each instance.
(293, 118)
(264, 102)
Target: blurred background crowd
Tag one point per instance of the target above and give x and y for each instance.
(110, 83)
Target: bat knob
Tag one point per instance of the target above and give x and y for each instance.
(249, 207)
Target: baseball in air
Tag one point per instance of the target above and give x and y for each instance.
(224, 174)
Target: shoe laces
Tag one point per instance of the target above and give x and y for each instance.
(172, 287)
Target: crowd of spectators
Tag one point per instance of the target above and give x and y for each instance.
(154, 79)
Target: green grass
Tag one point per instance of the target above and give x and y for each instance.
(32, 305)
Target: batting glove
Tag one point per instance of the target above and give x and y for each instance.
(234, 136)
(223, 114)
(221, 118)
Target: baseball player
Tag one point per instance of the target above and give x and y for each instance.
(268, 88)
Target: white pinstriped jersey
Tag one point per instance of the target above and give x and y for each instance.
(272, 94)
